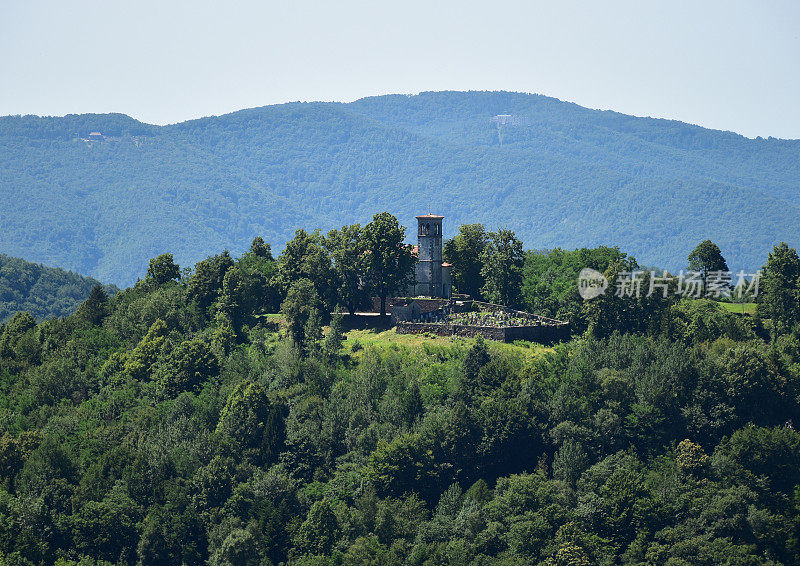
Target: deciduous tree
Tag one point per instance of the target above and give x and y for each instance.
(465, 252)
(251, 422)
(205, 284)
(305, 257)
(503, 259)
(163, 269)
(779, 295)
(301, 301)
(346, 247)
(389, 261)
(707, 258)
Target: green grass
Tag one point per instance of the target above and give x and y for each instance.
(738, 308)
(390, 338)
(274, 317)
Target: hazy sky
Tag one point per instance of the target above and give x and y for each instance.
(728, 65)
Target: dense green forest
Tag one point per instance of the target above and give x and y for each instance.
(183, 421)
(44, 292)
(557, 174)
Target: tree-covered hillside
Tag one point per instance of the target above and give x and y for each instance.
(182, 422)
(558, 174)
(45, 292)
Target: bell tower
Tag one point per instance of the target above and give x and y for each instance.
(429, 258)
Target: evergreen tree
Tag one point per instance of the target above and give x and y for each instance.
(95, 308)
(312, 334)
(412, 403)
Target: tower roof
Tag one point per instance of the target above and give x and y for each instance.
(429, 216)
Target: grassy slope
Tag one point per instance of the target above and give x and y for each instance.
(739, 308)
(391, 339)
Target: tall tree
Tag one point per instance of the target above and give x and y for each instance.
(300, 304)
(625, 305)
(335, 338)
(389, 261)
(259, 248)
(548, 283)
(250, 288)
(706, 258)
(305, 257)
(251, 422)
(205, 283)
(503, 259)
(317, 533)
(779, 297)
(162, 269)
(95, 308)
(346, 247)
(187, 368)
(464, 251)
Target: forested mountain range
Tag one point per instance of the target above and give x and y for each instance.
(556, 173)
(45, 292)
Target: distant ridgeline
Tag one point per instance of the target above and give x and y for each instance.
(45, 292)
(106, 193)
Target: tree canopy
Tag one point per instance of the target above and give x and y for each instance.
(389, 262)
(186, 422)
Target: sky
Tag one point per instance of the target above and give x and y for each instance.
(726, 65)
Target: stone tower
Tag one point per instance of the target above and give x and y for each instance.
(433, 277)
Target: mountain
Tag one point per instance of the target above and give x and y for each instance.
(45, 292)
(556, 173)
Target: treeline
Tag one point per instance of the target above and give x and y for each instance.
(212, 183)
(494, 267)
(173, 423)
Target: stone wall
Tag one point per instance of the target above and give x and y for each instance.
(490, 332)
(438, 328)
(544, 333)
(426, 305)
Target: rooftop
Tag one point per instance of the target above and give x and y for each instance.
(429, 216)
